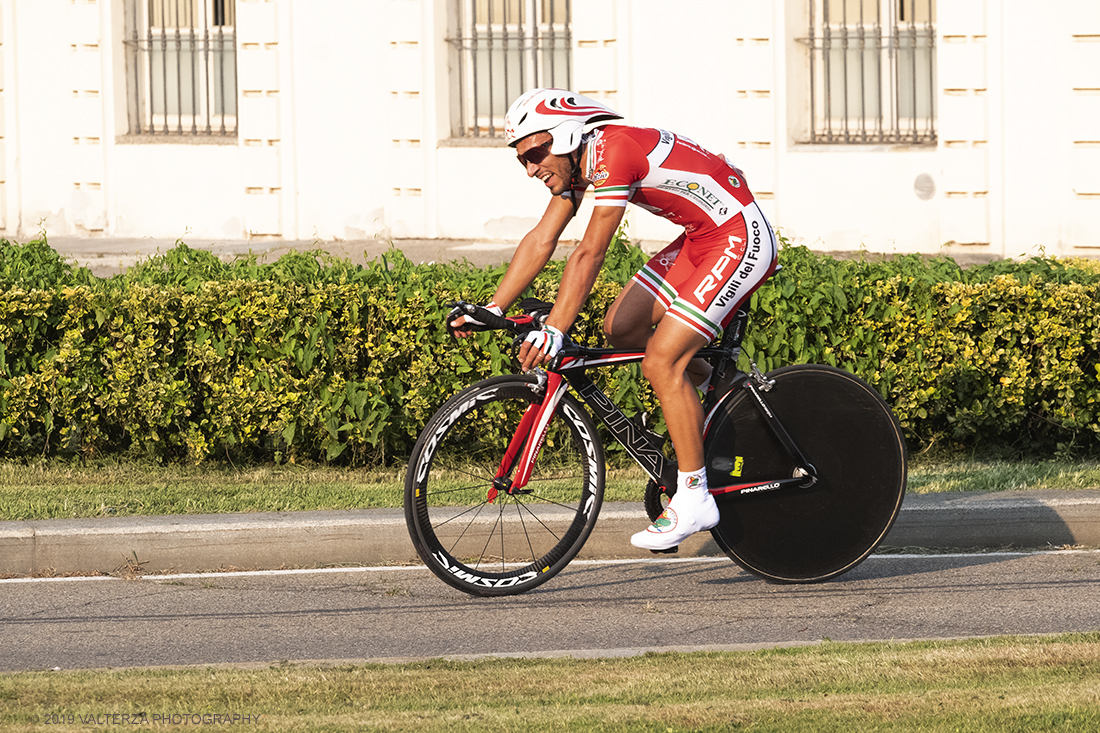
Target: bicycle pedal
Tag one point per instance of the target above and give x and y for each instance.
(669, 551)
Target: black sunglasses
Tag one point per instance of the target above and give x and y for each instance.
(536, 154)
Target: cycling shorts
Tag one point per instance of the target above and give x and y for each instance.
(702, 282)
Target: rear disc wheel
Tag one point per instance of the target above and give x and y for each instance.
(848, 434)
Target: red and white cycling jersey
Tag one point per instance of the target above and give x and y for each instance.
(728, 248)
(666, 174)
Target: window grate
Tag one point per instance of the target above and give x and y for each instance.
(181, 67)
(504, 48)
(872, 71)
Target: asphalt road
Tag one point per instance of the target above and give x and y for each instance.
(591, 609)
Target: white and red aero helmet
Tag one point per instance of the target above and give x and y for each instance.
(561, 113)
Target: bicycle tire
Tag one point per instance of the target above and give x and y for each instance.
(852, 438)
(507, 544)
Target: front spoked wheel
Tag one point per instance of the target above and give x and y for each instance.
(484, 540)
(852, 439)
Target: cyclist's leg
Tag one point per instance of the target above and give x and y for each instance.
(631, 319)
(692, 508)
(668, 354)
(711, 279)
(640, 305)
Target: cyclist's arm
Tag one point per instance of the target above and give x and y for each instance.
(534, 251)
(579, 276)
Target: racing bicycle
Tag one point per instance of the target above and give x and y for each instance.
(807, 464)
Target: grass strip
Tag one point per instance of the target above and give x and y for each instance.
(59, 490)
(937, 475)
(1002, 685)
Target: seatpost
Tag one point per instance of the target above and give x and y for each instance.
(730, 348)
(731, 339)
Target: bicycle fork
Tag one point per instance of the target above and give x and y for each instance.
(524, 447)
(527, 441)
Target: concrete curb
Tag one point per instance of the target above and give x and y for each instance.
(197, 543)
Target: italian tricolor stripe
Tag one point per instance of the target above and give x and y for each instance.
(694, 318)
(613, 196)
(656, 285)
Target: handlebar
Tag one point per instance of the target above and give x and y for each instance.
(534, 316)
(535, 313)
(492, 321)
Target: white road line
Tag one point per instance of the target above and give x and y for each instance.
(584, 563)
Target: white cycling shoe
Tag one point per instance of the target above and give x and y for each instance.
(690, 511)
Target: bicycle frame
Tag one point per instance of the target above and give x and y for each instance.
(569, 369)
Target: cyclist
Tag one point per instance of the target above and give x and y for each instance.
(684, 295)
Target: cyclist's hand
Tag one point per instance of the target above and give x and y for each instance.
(540, 347)
(462, 325)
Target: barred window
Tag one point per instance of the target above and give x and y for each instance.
(181, 67)
(504, 48)
(872, 71)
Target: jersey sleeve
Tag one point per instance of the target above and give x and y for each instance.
(617, 164)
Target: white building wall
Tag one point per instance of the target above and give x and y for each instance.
(1083, 121)
(344, 110)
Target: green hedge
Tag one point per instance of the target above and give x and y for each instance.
(1006, 353)
(185, 358)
